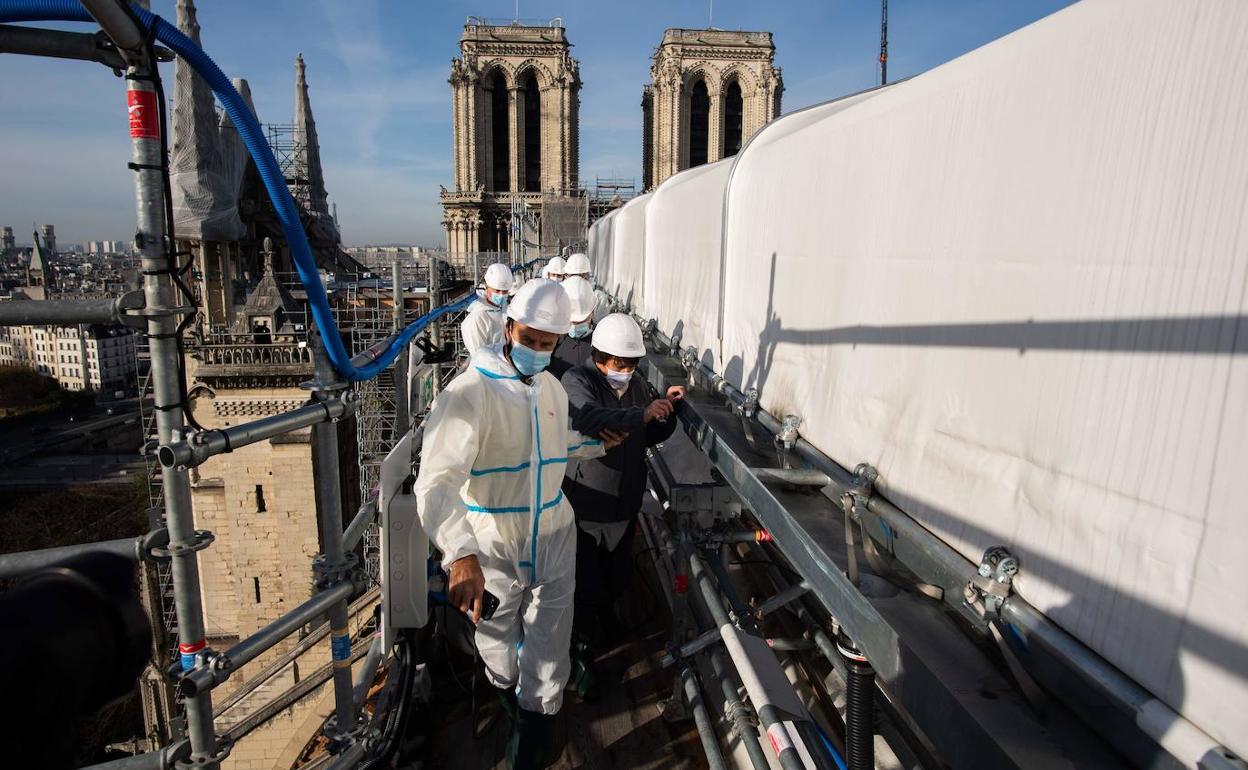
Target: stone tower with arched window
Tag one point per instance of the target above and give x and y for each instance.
(515, 94)
(709, 91)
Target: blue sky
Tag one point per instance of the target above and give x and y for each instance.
(378, 69)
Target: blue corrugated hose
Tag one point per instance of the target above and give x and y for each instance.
(827, 744)
(253, 137)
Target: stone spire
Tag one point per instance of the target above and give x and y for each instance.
(307, 167)
(204, 208)
(38, 271)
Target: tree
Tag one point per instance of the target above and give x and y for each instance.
(22, 386)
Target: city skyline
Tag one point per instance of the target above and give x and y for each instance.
(378, 78)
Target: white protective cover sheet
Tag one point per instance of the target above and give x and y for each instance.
(683, 223)
(1016, 285)
(599, 251)
(628, 250)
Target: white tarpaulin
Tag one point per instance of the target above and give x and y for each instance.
(1016, 284)
(628, 228)
(682, 256)
(600, 249)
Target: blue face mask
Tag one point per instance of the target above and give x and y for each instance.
(528, 361)
(579, 330)
(497, 300)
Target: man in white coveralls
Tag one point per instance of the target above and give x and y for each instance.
(492, 464)
(483, 324)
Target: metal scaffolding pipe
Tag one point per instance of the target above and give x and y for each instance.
(203, 678)
(711, 636)
(162, 306)
(56, 44)
(64, 312)
(16, 564)
(706, 731)
(119, 26)
(355, 530)
(368, 672)
(333, 560)
(164, 758)
(741, 714)
(803, 477)
(788, 756)
(204, 445)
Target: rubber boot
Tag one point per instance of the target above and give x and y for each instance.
(584, 677)
(532, 741)
(507, 700)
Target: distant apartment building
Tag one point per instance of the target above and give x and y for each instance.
(79, 357)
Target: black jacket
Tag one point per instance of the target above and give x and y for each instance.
(570, 353)
(609, 488)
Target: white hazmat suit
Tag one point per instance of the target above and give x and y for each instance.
(490, 479)
(482, 325)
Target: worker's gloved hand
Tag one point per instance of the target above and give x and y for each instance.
(611, 438)
(659, 409)
(676, 393)
(466, 586)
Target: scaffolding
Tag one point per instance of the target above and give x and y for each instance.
(608, 194)
(565, 222)
(288, 145)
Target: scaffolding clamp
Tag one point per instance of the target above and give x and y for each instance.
(154, 546)
(128, 305)
(787, 438)
(199, 540)
(749, 407)
(328, 574)
(992, 583)
(431, 353)
(190, 762)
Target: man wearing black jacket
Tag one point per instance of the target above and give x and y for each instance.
(604, 398)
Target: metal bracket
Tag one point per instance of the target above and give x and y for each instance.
(128, 305)
(787, 438)
(156, 540)
(673, 346)
(432, 353)
(200, 540)
(689, 360)
(749, 408)
(328, 574)
(224, 747)
(993, 582)
(345, 738)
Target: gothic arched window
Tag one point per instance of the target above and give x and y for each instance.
(734, 119)
(532, 134)
(699, 124)
(500, 124)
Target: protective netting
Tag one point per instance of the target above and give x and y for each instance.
(207, 160)
(565, 219)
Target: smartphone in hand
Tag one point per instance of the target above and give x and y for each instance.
(489, 605)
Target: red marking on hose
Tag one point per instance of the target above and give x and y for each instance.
(193, 647)
(144, 119)
(681, 584)
(762, 536)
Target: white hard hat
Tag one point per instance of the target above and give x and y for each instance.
(498, 277)
(582, 296)
(618, 335)
(578, 264)
(556, 265)
(543, 305)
